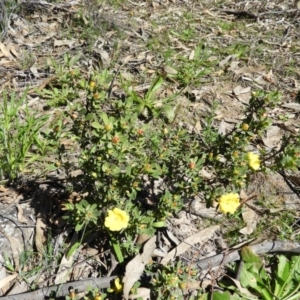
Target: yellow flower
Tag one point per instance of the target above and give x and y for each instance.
(97, 297)
(117, 286)
(253, 160)
(229, 203)
(172, 279)
(116, 220)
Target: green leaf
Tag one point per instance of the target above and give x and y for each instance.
(249, 256)
(9, 266)
(149, 231)
(96, 125)
(221, 296)
(84, 203)
(74, 60)
(267, 295)
(154, 87)
(78, 227)
(237, 297)
(282, 273)
(247, 278)
(72, 249)
(118, 252)
(288, 285)
(105, 118)
(93, 207)
(159, 224)
(251, 276)
(89, 117)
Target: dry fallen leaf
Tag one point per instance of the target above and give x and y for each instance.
(3, 189)
(251, 219)
(17, 248)
(243, 195)
(270, 77)
(126, 75)
(105, 59)
(40, 228)
(21, 287)
(249, 70)
(205, 173)
(8, 51)
(292, 105)
(198, 237)
(233, 66)
(198, 126)
(192, 55)
(286, 127)
(2, 274)
(273, 137)
(141, 293)
(219, 73)
(240, 90)
(21, 217)
(222, 128)
(242, 94)
(5, 281)
(8, 195)
(136, 266)
(194, 285)
(59, 43)
(225, 61)
(169, 70)
(67, 262)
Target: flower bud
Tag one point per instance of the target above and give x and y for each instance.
(92, 84)
(245, 126)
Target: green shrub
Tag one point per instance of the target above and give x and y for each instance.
(135, 159)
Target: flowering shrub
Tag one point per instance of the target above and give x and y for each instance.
(140, 165)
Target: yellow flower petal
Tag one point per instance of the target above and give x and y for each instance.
(118, 285)
(229, 203)
(116, 220)
(253, 160)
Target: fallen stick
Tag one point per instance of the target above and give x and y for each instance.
(233, 255)
(61, 290)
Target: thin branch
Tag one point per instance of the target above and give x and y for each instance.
(230, 256)
(61, 290)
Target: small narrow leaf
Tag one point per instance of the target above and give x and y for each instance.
(73, 249)
(154, 87)
(282, 273)
(118, 252)
(78, 227)
(96, 125)
(105, 118)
